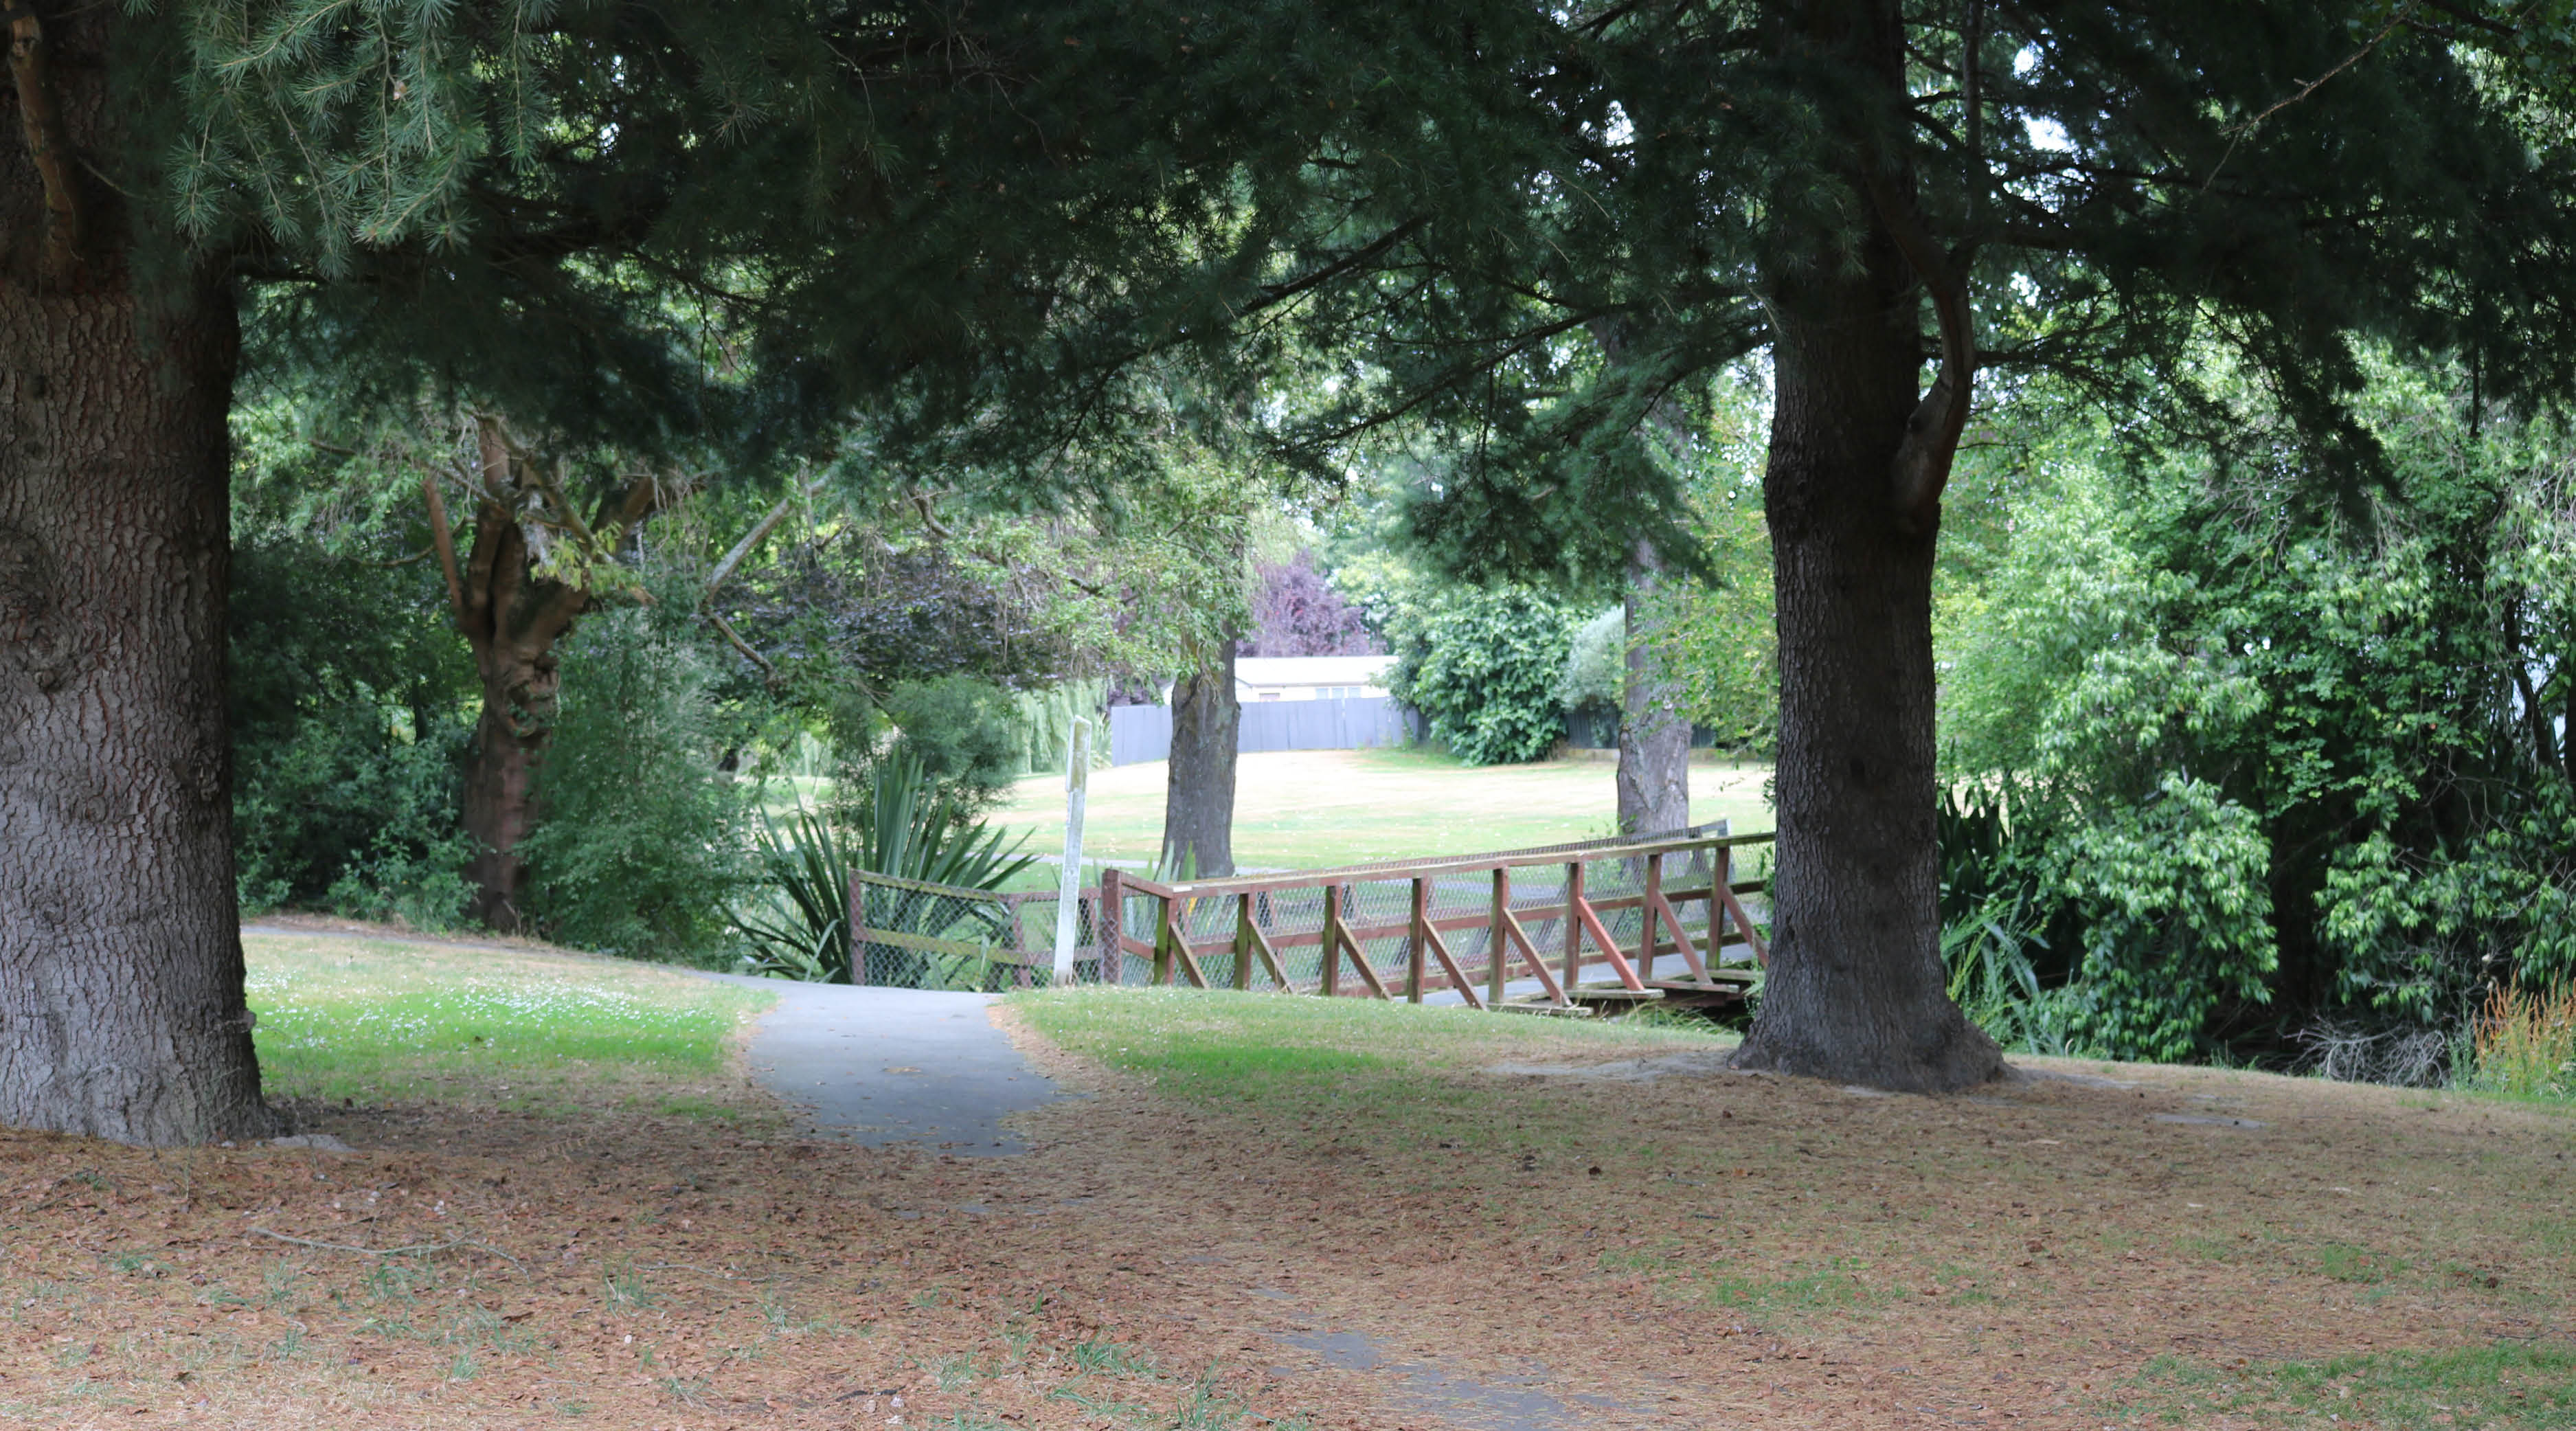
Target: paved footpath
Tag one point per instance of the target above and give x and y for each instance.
(887, 1066)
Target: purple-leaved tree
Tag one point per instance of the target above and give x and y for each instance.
(1297, 613)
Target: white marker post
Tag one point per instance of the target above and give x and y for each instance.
(1068, 900)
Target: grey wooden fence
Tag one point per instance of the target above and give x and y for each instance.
(1142, 733)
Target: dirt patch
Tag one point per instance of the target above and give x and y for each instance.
(1623, 1070)
(488, 1270)
(1695, 1249)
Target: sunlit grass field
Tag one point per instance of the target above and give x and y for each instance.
(1309, 809)
(343, 1017)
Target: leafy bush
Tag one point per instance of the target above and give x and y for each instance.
(1595, 679)
(2288, 780)
(801, 926)
(962, 733)
(2177, 919)
(639, 846)
(1483, 669)
(347, 699)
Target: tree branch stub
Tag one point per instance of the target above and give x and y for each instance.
(49, 148)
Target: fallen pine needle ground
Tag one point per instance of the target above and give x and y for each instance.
(1272, 1212)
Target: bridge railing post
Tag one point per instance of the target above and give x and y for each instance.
(1419, 940)
(1573, 924)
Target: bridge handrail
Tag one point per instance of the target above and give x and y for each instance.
(1436, 865)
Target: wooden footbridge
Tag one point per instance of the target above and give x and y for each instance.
(1565, 928)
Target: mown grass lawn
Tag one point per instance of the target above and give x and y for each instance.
(346, 1017)
(1311, 809)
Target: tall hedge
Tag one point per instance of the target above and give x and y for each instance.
(1483, 668)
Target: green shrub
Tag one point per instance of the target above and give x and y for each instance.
(638, 850)
(1595, 680)
(1483, 669)
(348, 702)
(964, 735)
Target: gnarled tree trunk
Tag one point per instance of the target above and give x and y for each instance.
(1654, 736)
(512, 618)
(1857, 991)
(1198, 792)
(121, 1008)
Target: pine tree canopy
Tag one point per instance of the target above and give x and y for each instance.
(1636, 194)
(747, 220)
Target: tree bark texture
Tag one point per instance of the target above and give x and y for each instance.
(1856, 991)
(515, 625)
(1198, 796)
(121, 1006)
(1654, 736)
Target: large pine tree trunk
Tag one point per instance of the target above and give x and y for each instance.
(1198, 794)
(1856, 990)
(1654, 736)
(121, 1009)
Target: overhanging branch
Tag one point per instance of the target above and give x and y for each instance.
(48, 147)
(1923, 459)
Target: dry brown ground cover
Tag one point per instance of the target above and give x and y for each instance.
(1255, 1184)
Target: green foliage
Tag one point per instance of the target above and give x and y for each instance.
(2177, 918)
(903, 825)
(1177, 548)
(1483, 669)
(1717, 629)
(2277, 753)
(797, 925)
(604, 219)
(2004, 937)
(911, 829)
(1595, 678)
(1044, 724)
(638, 849)
(1755, 178)
(962, 735)
(347, 698)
